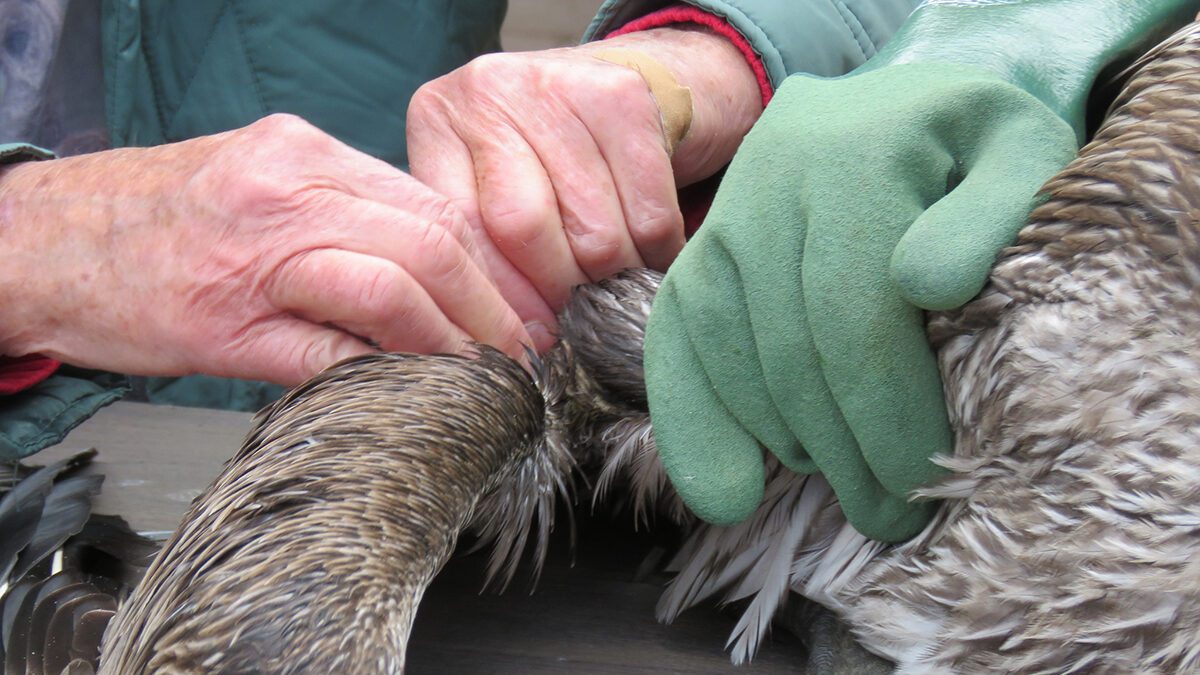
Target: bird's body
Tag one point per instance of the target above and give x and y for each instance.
(63, 568)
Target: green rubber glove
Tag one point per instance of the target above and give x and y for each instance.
(793, 319)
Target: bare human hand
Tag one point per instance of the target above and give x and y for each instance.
(267, 252)
(558, 161)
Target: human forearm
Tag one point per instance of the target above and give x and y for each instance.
(25, 281)
(65, 226)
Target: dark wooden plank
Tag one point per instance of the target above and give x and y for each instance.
(593, 617)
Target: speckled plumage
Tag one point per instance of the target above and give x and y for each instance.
(311, 550)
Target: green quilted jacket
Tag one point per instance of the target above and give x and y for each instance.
(176, 69)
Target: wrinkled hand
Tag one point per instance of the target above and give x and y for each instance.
(793, 320)
(268, 252)
(559, 163)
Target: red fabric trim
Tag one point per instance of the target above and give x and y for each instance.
(22, 372)
(677, 14)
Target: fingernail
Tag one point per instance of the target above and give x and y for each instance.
(542, 338)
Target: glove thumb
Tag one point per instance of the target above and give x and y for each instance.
(944, 258)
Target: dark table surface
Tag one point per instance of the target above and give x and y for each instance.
(596, 616)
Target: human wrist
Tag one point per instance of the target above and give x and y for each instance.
(20, 279)
(725, 93)
(58, 231)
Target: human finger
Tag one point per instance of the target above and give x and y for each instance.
(433, 258)
(366, 296)
(288, 350)
(441, 161)
(633, 146)
(714, 463)
(584, 187)
(519, 208)
(461, 289)
(344, 170)
(376, 181)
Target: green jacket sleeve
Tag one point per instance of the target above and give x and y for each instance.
(43, 414)
(821, 37)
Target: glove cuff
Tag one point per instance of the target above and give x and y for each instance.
(1054, 49)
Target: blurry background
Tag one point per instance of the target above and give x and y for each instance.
(540, 24)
